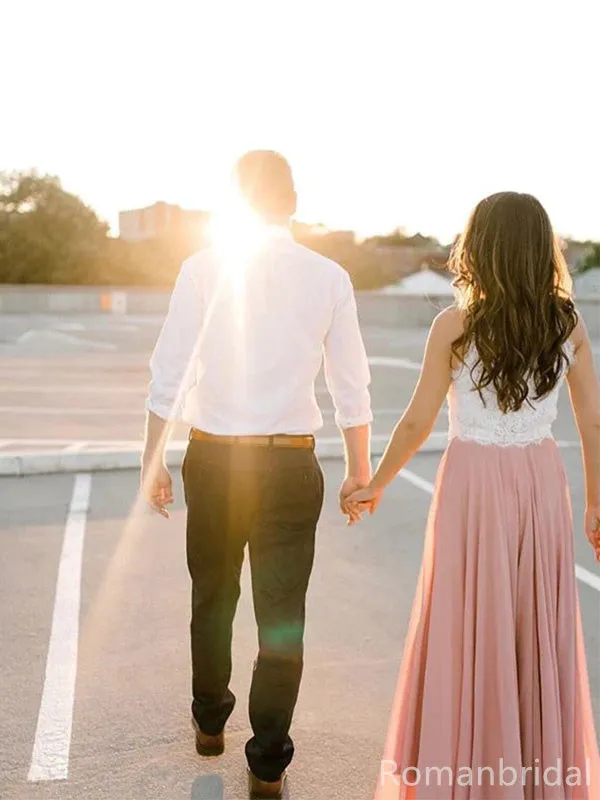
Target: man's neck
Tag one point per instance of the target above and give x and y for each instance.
(276, 221)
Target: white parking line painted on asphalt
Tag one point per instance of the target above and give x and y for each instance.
(50, 757)
(67, 388)
(584, 575)
(78, 327)
(396, 363)
(75, 447)
(69, 412)
(54, 335)
(417, 481)
(25, 337)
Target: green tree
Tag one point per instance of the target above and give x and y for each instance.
(591, 259)
(47, 235)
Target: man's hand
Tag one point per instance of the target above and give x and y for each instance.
(156, 485)
(364, 500)
(349, 486)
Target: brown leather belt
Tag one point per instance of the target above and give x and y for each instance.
(276, 440)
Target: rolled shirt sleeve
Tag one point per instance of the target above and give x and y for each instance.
(172, 364)
(346, 366)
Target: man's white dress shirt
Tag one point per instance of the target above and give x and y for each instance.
(244, 340)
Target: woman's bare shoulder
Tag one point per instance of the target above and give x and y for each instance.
(449, 324)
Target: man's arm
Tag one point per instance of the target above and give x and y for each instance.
(348, 378)
(172, 366)
(357, 444)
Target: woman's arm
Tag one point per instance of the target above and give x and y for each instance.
(419, 418)
(584, 390)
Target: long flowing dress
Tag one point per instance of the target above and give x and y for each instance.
(493, 700)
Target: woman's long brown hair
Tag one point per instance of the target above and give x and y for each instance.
(515, 290)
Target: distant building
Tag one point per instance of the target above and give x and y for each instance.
(161, 219)
(422, 283)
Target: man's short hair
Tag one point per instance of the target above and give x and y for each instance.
(265, 181)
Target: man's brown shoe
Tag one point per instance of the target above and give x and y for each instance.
(259, 790)
(207, 745)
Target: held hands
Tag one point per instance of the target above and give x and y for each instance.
(348, 487)
(366, 499)
(356, 497)
(156, 485)
(592, 528)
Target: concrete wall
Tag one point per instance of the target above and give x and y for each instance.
(379, 310)
(82, 300)
(399, 311)
(409, 311)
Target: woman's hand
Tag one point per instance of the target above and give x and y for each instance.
(362, 500)
(592, 527)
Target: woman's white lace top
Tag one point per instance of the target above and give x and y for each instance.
(473, 420)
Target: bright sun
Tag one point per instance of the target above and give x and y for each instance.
(237, 233)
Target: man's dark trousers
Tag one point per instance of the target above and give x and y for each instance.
(270, 498)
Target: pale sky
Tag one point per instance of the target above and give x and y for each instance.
(391, 113)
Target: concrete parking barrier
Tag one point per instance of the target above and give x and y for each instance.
(110, 458)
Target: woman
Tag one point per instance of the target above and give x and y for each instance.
(493, 700)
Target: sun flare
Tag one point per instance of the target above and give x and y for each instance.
(237, 233)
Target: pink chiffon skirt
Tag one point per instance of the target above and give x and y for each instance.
(493, 700)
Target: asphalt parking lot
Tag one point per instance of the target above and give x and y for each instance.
(84, 378)
(84, 562)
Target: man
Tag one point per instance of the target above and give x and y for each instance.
(237, 358)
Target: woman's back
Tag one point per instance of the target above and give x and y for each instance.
(478, 418)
